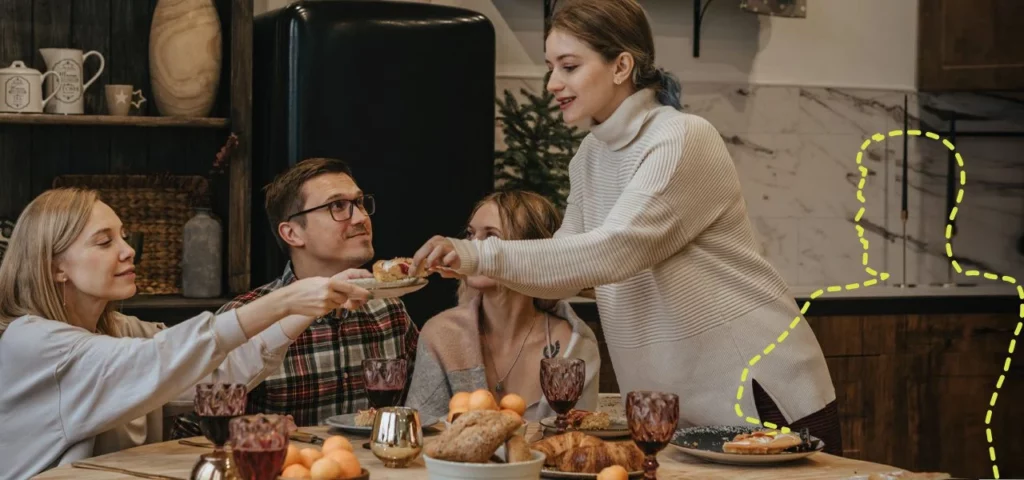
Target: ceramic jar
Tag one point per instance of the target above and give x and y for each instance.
(201, 256)
(23, 89)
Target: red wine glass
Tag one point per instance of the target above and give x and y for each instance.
(216, 404)
(259, 444)
(652, 418)
(561, 380)
(385, 381)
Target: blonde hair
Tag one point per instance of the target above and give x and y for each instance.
(524, 215)
(44, 231)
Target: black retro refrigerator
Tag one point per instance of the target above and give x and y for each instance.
(404, 92)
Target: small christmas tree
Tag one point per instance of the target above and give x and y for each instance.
(539, 146)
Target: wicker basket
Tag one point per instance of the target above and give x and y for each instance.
(156, 206)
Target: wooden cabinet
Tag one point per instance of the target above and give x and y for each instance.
(35, 148)
(913, 390)
(970, 45)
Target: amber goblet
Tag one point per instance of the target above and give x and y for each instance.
(561, 380)
(652, 418)
(216, 404)
(259, 444)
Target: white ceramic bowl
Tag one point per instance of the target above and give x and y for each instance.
(445, 470)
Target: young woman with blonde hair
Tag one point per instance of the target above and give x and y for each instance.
(80, 379)
(495, 338)
(657, 222)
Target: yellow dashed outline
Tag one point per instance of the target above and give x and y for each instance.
(878, 138)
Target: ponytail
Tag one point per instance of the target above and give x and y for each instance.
(669, 91)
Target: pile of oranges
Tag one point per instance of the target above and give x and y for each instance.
(481, 399)
(333, 461)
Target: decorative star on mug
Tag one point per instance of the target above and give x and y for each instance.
(121, 97)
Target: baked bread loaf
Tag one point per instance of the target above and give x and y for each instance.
(595, 458)
(394, 269)
(473, 437)
(517, 449)
(761, 443)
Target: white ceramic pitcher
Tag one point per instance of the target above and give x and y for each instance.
(68, 63)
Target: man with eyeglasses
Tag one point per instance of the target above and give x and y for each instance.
(321, 218)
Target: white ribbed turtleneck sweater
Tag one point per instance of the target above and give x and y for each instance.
(657, 222)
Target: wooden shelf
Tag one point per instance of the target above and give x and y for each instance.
(110, 120)
(171, 302)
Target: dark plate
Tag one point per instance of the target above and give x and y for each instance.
(706, 443)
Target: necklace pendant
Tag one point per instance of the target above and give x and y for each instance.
(499, 388)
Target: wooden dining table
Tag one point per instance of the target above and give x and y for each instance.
(174, 459)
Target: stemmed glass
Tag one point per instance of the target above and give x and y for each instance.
(385, 381)
(561, 380)
(652, 418)
(216, 404)
(259, 444)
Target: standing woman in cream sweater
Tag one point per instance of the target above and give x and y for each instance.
(79, 379)
(657, 222)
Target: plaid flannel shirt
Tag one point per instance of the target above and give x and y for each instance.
(321, 375)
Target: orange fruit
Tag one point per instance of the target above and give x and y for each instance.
(348, 462)
(335, 442)
(614, 472)
(512, 414)
(482, 400)
(292, 457)
(459, 400)
(454, 412)
(325, 469)
(310, 455)
(296, 471)
(515, 403)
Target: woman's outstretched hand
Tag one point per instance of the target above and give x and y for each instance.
(318, 295)
(439, 255)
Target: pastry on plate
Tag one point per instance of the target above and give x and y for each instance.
(762, 442)
(364, 418)
(394, 269)
(578, 452)
(586, 420)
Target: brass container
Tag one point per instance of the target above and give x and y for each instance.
(217, 465)
(397, 436)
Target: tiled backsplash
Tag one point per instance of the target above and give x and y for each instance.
(795, 151)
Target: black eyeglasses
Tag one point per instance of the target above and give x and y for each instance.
(343, 209)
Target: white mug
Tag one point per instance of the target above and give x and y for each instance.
(22, 89)
(68, 64)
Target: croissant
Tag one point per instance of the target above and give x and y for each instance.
(554, 447)
(593, 459)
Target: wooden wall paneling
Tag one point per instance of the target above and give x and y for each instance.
(969, 45)
(239, 219)
(15, 140)
(90, 30)
(128, 64)
(51, 145)
(222, 106)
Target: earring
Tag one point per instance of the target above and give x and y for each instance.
(64, 292)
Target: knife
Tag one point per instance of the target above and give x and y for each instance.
(306, 437)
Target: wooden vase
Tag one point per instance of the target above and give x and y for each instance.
(185, 57)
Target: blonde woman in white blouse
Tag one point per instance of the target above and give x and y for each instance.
(80, 379)
(657, 222)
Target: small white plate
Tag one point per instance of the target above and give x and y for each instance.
(390, 289)
(347, 423)
(616, 428)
